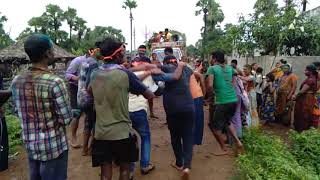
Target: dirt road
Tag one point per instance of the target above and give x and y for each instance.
(205, 165)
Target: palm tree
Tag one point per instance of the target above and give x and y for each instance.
(130, 4)
(70, 15)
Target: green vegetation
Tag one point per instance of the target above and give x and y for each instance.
(77, 40)
(14, 131)
(267, 157)
(305, 147)
(270, 29)
(5, 39)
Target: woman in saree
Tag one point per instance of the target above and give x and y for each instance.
(248, 82)
(316, 110)
(305, 100)
(286, 89)
(268, 105)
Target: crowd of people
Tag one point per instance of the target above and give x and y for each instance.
(114, 99)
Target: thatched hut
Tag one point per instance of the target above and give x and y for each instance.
(14, 58)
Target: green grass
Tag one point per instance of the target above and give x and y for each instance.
(14, 132)
(268, 157)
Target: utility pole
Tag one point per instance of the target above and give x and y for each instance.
(205, 11)
(134, 37)
(146, 34)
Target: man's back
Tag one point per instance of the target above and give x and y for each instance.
(74, 67)
(86, 69)
(223, 87)
(42, 104)
(110, 88)
(177, 96)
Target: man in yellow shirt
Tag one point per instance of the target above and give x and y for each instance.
(167, 35)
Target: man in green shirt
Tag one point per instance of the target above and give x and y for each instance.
(219, 79)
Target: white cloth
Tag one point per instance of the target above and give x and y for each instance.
(259, 83)
(138, 103)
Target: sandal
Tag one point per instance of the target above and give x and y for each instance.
(174, 165)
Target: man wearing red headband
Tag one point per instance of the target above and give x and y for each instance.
(142, 58)
(142, 54)
(109, 85)
(179, 108)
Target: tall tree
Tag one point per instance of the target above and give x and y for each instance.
(5, 39)
(266, 29)
(80, 26)
(40, 24)
(192, 51)
(97, 34)
(130, 4)
(71, 16)
(54, 16)
(213, 16)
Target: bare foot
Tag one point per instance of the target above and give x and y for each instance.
(186, 174)
(74, 143)
(85, 152)
(173, 164)
(240, 149)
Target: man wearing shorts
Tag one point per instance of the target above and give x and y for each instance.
(219, 79)
(110, 85)
(73, 75)
(85, 101)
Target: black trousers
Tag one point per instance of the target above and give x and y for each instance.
(180, 127)
(4, 145)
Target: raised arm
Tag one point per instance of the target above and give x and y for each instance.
(143, 67)
(177, 73)
(246, 78)
(137, 87)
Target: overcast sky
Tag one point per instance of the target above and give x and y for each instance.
(153, 15)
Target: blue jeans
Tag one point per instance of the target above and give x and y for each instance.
(198, 121)
(55, 169)
(180, 125)
(141, 125)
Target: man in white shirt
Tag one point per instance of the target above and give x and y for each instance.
(139, 108)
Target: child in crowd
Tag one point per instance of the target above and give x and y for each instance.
(268, 105)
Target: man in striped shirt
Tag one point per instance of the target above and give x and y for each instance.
(42, 102)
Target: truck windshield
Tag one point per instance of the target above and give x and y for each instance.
(161, 55)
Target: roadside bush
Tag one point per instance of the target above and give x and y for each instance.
(267, 157)
(14, 132)
(305, 147)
